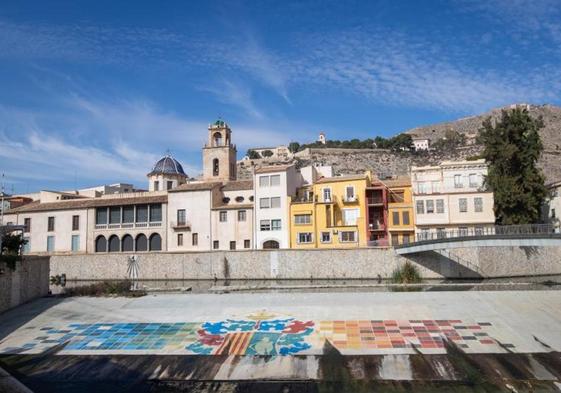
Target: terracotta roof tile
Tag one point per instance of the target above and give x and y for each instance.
(238, 185)
(196, 186)
(273, 168)
(341, 178)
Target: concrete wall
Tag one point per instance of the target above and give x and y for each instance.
(305, 264)
(29, 281)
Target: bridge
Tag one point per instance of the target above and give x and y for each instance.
(534, 235)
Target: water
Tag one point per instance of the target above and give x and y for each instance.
(327, 285)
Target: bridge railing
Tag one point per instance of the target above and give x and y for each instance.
(497, 231)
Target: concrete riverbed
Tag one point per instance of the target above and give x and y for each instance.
(288, 342)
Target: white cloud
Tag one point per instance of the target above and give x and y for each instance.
(236, 94)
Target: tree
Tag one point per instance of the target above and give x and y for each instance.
(401, 142)
(512, 148)
(10, 252)
(253, 155)
(267, 153)
(451, 140)
(294, 147)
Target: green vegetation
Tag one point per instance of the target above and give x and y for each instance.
(398, 142)
(105, 288)
(512, 148)
(406, 274)
(253, 155)
(451, 140)
(10, 253)
(267, 153)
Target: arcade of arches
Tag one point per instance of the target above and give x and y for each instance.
(127, 243)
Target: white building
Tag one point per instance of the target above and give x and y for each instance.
(552, 207)
(451, 197)
(421, 144)
(321, 138)
(273, 185)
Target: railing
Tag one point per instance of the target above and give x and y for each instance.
(378, 243)
(375, 200)
(350, 199)
(376, 226)
(128, 225)
(497, 231)
(180, 224)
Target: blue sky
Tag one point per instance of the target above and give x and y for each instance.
(94, 92)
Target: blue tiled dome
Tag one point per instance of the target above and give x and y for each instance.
(169, 166)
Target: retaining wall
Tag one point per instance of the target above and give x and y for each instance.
(29, 281)
(317, 264)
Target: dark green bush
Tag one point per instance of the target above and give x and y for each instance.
(105, 288)
(406, 274)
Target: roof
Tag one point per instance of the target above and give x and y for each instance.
(169, 166)
(401, 181)
(234, 206)
(273, 168)
(238, 185)
(341, 178)
(203, 186)
(37, 206)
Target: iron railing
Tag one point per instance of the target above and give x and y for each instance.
(497, 231)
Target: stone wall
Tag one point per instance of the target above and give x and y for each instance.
(318, 264)
(29, 281)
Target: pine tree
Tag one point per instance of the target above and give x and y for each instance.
(512, 148)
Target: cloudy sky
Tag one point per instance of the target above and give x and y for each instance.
(96, 91)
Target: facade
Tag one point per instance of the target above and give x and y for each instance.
(377, 213)
(330, 213)
(401, 222)
(421, 144)
(219, 154)
(552, 207)
(451, 197)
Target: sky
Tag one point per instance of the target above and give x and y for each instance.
(95, 92)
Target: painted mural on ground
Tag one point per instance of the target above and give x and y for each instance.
(261, 333)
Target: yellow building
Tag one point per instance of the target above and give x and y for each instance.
(401, 225)
(331, 213)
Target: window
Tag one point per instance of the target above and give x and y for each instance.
(463, 204)
(347, 236)
(275, 202)
(141, 243)
(405, 217)
(156, 185)
(350, 216)
(128, 214)
(304, 237)
(75, 223)
(264, 203)
(50, 243)
(223, 216)
(458, 183)
(179, 239)
(156, 213)
(232, 245)
(127, 243)
(142, 213)
(263, 181)
(302, 219)
(422, 188)
(155, 242)
(215, 167)
(473, 180)
(478, 206)
(275, 225)
(265, 225)
(215, 245)
(395, 238)
(115, 215)
(440, 206)
(169, 185)
(326, 237)
(350, 193)
(27, 225)
(27, 245)
(552, 211)
(435, 186)
(75, 243)
(420, 207)
(51, 224)
(181, 217)
(100, 244)
(246, 243)
(275, 180)
(242, 214)
(478, 231)
(397, 196)
(430, 206)
(395, 218)
(195, 239)
(405, 238)
(327, 194)
(101, 216)
(424, 235)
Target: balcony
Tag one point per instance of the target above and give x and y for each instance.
(181, 225)
(128, 225)
(375, 200)
(350, 199)
(376, 226)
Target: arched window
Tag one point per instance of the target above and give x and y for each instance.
(114, 244)
(215, 167)
(100, 244)
(155, 242)
(141, 243)
(217, 139)
(127, 244)
(270, 245)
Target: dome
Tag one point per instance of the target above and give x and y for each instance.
(167, 166)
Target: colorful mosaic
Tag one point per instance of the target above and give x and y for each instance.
(261, 334)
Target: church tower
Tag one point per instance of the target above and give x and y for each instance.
(219, 154)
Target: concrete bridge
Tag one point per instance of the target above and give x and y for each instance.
(540, 235)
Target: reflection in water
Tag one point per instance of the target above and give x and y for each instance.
(326, 285)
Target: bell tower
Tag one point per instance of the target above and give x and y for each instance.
(219, 154)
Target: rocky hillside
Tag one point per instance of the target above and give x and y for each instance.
(386, 162)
